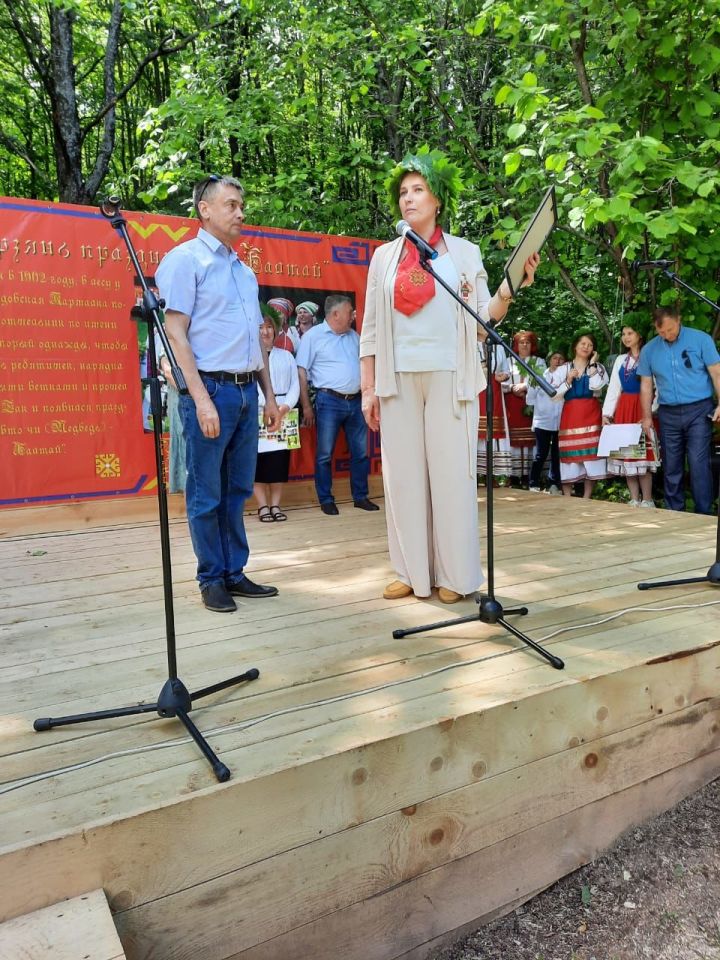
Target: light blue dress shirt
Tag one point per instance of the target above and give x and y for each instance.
(332, 360)
(680, 367)
(210, 284)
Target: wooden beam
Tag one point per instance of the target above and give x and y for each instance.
(77, 929)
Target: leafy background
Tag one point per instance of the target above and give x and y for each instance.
(310, 101)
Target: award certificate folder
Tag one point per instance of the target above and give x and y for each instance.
(536, 233)
(618, 436)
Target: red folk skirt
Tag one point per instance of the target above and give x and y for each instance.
(498, 424)
(519, 423)
(580, 426)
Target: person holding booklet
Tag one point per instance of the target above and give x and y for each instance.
(273, 466)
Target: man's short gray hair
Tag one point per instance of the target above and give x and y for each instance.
(334, 301)
(206, 188)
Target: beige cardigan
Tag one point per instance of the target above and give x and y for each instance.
(376, 337)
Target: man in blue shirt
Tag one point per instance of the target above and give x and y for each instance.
(686, 366)
(329, 356)
(212, 317)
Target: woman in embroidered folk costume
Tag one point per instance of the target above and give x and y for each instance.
(519, 415)
(579, 383)
(622, 405)
(420, 378)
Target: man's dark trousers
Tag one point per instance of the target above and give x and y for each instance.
(686, 430)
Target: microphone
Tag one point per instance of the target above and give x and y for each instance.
(403, 229)
(651, 264)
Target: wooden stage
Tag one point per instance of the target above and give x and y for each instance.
(385, 793)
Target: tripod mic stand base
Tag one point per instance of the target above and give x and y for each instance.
(712, 576)
(174, 700)
(490, 610)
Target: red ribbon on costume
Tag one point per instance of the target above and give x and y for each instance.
(414, 287)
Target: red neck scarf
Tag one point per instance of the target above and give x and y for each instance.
(414, 287)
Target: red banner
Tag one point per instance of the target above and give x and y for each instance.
(72, 425)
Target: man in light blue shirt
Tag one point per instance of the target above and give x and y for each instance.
(686, 367)
(212, 317)
(329, 356)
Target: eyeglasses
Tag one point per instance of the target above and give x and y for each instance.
(686, 359)
(213, 178)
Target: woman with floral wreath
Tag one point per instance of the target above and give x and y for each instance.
(421, 374)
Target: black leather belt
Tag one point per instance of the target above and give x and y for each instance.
(240, 379)
(342, 396)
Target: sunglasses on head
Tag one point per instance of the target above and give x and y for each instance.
(213, 178)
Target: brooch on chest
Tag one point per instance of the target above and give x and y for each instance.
(465, 287)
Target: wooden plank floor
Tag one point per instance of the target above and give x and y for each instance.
(368, 771)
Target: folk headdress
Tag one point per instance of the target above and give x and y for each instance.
(414, 287)
(283, 306)
(442, 176)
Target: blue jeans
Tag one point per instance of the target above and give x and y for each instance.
(686, 430)
(331, 413)
(220, 475)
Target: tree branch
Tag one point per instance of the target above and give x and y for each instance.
(16, 148)
(587, 302)
(32, 43)
(108, 140)
(159, 52)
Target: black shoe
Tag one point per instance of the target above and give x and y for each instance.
(246, 588)
(366, 504)
(216, 597)
(329, 508)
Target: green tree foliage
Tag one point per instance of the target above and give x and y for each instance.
(310, 101)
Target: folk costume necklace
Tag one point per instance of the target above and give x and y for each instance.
(414, 287)
(631, 369)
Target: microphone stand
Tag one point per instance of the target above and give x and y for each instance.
(490, 609)
(713, 574)
(174, 699)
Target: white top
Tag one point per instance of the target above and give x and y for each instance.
(546, 413)
(427, 340)
(559, 380)
(517, 374)
(284, 378)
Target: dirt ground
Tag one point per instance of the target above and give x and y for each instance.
(655, 894)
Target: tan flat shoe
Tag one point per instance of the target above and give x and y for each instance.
(396, 590)
(448, 596)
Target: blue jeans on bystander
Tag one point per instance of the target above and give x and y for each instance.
(220, 476)
(332, 413)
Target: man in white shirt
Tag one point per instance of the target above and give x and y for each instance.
(329, 356)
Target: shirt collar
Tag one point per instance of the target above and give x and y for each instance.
(214, 244)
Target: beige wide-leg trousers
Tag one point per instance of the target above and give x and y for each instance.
(430, 484)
